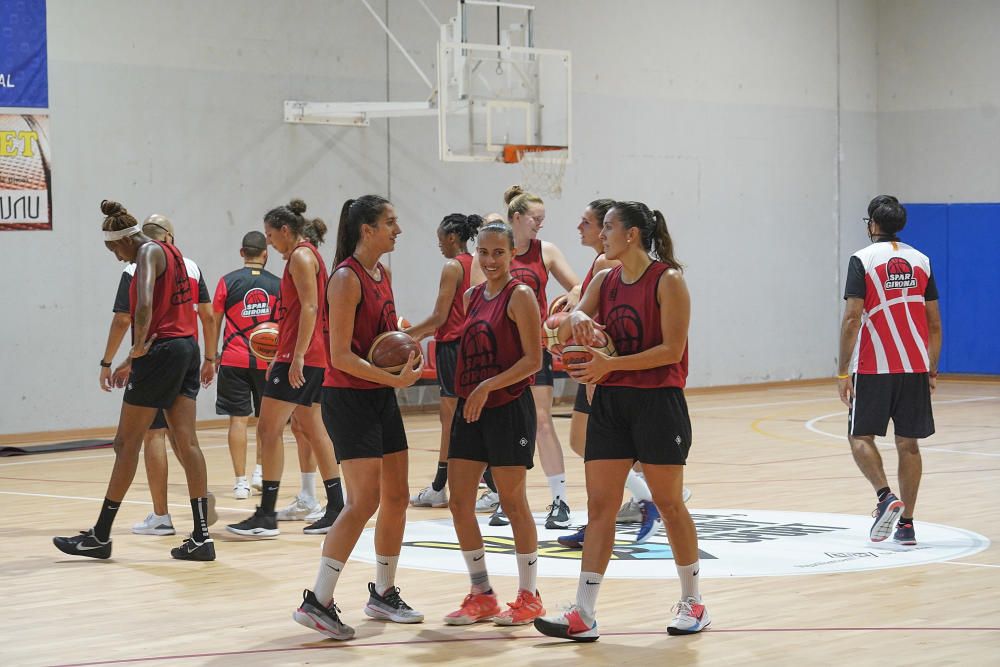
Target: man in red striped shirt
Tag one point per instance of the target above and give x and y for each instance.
(890, 342)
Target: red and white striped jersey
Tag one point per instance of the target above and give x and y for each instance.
(895, 281)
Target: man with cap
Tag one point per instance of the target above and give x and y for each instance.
(243, 299)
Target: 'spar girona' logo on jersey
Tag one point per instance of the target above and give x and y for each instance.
(256, 303)
(899, 274)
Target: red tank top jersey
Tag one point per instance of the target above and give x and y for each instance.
(530, 269)
(291, 308)
(490, 345)
(247, 297)
(631, 316)
(587, 278)
(173, 299)
(374, 315)
(452, 328)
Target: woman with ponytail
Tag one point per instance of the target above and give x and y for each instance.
(458, 274)
(363, 419)
(638, 411)
(295, 377)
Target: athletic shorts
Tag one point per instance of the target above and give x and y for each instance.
(581, 404)
(544, 376)
(170, 369)
(279, 388)
(446, 360)
(905, 398)
(363, 423)
(240, 391)
(645, 425)
(503, 436)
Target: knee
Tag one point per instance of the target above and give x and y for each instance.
(364, 505)
(518, 510)
(671, 508)
(601, 510)
(395, 502)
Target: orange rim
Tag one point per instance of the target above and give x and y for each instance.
(512, 153)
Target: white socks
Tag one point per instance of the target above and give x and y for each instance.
(527, 572)
(688, 575)
(476, 562)
(326, 580)
(586, 592)
(636, 484)
(385, 572)
(557, 484)
(308, 490)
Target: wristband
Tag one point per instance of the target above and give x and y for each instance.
(933, 374)
(105, 364)
(212, 359)
(843, 377)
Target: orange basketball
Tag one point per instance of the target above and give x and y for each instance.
(550, 331)
(390, 350)
(574, 353)
(264, 341)
(559, 304)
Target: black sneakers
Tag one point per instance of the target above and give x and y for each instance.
(258, 525)
(321, 527)
(499, 517)
(84, 544)
(390, 607)
(325, 620)
(558, 515)
(191, 550)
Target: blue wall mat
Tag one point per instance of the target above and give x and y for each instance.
(973, 322)
(927, 231)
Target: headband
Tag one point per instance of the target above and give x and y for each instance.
(119, 234)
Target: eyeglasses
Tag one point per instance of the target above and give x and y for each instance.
(866, 220)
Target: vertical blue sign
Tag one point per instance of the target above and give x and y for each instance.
(24, 61)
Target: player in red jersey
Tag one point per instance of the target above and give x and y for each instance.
(458, 274)
(890, 343)
(533, 261)
(362, 416)
(295, 377)
(495, 425)
(164, 374)
(638, 411)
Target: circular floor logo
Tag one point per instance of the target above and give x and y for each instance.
(732, 543)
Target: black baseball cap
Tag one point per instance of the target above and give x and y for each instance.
(254, 241)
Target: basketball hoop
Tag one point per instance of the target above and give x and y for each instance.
(542, 167)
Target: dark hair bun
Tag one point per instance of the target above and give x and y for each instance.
(319, 229)
(297, 206)
(512, 192)
(110, 208)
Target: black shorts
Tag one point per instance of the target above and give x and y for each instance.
(240, 391)
(544, 376)
(581, 404)
(903, 397)
(159, 421)
(278, 387)
(503, 436)
(170, 369)
(363, 423)
(645, 425)
(446, 360)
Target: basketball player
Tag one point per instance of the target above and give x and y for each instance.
(532, 263)
(164, 374)
(362, 415)
(445, 322)
(494, 424)
(243, 299)
(295, 377)
(890, 343)
(638, 411)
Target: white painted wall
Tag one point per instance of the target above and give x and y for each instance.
(722, 114)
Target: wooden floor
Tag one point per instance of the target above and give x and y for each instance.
(775, 448)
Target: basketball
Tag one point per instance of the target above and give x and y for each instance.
(560, 304)
(550, 330)
(390, 350)
(898, 266)
(573, 353)
(263, 341)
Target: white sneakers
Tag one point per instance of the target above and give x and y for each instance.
(241, 489)
(299, 509)
(316, 514)
(428, 497)
(488, 502)
(154, 524)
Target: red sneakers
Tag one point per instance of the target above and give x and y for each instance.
(526, 608)
(475, 607)
(568, 625)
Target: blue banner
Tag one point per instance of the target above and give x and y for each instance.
(24, 61)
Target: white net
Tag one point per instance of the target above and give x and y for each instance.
(542, 171)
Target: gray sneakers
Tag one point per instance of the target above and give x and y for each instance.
(390, 607)
(324, 620)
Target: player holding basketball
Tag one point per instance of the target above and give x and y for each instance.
(445, 322)
(495, 424)
(164, 374)
(533, 261)
(243, 299)
(638, 412)
(362, 416)
(295, 377)
(890, 343)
